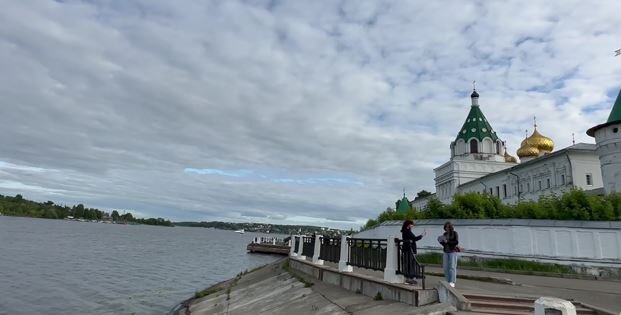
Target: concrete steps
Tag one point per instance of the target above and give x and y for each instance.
(492, 304)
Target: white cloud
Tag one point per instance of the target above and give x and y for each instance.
(120, 97)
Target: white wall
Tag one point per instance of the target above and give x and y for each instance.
(609, 149)
(570, 165)
(583, 242)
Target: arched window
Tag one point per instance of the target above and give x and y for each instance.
(497, 147)
(474, 146)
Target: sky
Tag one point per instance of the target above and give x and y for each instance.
(288, 112)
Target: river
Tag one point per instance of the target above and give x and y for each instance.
(68, 267)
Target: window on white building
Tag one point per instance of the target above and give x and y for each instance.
(474, 146)
(548, 180)
(563, 179)
(539, 185)
(589, 179)
(491, 191)
(504, 190)
(528, 187)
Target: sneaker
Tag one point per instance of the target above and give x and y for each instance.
(411, 281)
(452, 284)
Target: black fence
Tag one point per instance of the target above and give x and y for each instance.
(308, 246)
(296, 244)
(367, 253)
(330, 249)
(407, 264)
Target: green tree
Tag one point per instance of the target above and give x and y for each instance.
(115, 216)
(422, 194)
(78, 211)
(50, 213)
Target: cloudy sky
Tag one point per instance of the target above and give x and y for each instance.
(289, 112)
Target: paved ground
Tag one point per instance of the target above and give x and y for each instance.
(271, 290)
(600, 293)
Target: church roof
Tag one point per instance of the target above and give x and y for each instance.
(476, 126)
(614, 117)
(615, 113)
(404, 205)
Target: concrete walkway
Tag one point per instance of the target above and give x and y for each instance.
(272, 290)
(600, 293)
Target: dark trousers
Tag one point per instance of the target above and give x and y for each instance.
(408, 263)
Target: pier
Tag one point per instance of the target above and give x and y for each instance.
(269, 245)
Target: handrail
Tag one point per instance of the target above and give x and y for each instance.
(308, 246)
(367, 253)
(330, 249)
(407, 264)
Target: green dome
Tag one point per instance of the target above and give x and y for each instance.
(615, 113)
(613, 118)
(404, 205)
(476, 126)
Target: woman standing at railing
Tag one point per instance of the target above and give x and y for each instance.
(449, 241)
(409, 249)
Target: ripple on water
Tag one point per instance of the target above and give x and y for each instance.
(58, 267)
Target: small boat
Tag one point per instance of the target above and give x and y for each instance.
(240, 231)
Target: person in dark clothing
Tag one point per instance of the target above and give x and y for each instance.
(409, 250)
(449, 241)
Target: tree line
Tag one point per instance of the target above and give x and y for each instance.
(263, 227)
(572, 205)
(18, 206)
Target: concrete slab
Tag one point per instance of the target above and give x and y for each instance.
(272, 290)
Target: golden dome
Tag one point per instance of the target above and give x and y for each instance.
(540, 141)
(509, 158)
(527, 149)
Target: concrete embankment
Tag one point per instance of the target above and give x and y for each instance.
(275, 289)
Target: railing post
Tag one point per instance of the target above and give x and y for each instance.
(392, 254)
(343, 266)
(301, 248)
(317, 250)
(292, 252)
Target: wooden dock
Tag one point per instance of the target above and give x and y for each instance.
(268, 249)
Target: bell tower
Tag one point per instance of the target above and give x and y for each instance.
(608, 142)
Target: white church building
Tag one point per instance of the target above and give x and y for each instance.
(480, 163)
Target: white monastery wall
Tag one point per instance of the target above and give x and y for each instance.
(564, 242)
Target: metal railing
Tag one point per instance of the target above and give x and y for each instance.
(268, 240)
(296, 243)
(330, 249)
(407, 264)
(367, 253)
(308, 246)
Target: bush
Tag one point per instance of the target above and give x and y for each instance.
(573, 205)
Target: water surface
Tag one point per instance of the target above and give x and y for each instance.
(67, 267)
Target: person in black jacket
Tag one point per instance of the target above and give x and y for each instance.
(449, 241)
(409, 250)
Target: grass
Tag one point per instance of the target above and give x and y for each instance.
(214, 289)
(378, 297)
(499, 264)
(206, 292)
